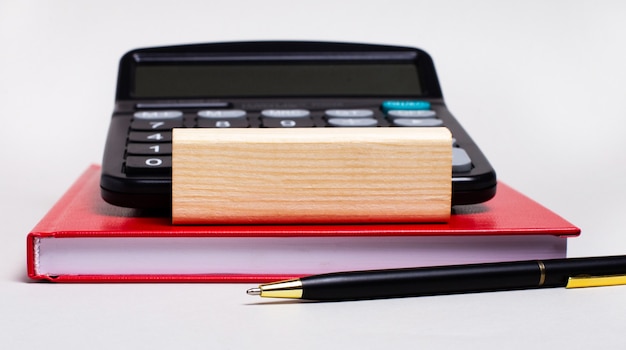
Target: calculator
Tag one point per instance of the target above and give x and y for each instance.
(272, 84)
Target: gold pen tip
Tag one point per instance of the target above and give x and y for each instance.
(254, 291)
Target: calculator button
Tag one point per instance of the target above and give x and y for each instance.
(461, 161)
(410, 105)
(148, 149)
(288, 123)
(352, 122)
(417, 122)
(143, 136)
(222, 114)
(417, 113)
(223, 123)
(157, 165)
(149, 115)
(145, 125)
(349, 113)
(285, 113)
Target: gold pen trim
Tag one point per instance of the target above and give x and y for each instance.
(542, 271)
(595, 281)
(291, 289)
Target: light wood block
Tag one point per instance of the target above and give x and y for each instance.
(311, 175)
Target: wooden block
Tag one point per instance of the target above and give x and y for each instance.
(311, 175)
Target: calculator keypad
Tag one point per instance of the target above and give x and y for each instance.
(149, 143)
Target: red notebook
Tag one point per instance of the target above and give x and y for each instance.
(84, 239)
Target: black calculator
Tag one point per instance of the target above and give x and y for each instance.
(277, 84)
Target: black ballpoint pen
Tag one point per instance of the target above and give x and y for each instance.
(406, 282)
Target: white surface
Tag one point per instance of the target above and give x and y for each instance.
(539, 85)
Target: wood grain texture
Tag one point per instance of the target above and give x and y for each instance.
(311, 175)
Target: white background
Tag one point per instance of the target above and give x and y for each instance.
(540, 85)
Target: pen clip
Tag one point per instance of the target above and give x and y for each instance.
(595, 281)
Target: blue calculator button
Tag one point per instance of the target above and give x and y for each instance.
(406, 105)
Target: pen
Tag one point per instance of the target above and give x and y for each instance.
(422, 281)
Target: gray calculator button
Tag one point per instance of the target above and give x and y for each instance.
(286, 113)
(222, 114)
(419, 122)
(349, 113)
(223, 123)
(352, 122)
(461, 162)
(288, 123)
(158, 115)
(402, 113)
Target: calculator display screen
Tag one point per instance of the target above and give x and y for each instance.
(266, 80)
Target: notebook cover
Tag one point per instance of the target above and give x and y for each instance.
(82, 213)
